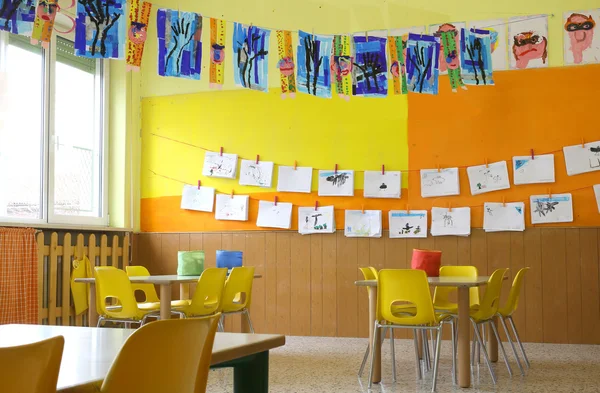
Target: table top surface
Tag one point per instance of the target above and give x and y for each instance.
(89, 352)
(440, 282)
(164, 279)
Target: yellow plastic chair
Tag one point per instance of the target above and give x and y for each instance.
(441, 295)
(152, 302)
(238, 294)
(207, 298)
(31, 368)
(411, 287)
(165, 356)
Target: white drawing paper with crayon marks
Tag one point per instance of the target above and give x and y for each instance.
(504, 217)
(340, 183)
(292, 179)
(259, 174)
(320, 220)
(201, 199)
(528, 170)
(271, 215)
(451, 222)
(363, 223)
(441, 182)
(386, 184)
(232, 208)
(488, 178)
(551, 208)
(582, 159)
(408, 224)
(217, 165)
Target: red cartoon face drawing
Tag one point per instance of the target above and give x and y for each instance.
(217, 53)
(451, 61)
(581, 34)
(529, 46)
(47, 9)
(286, 66)
(137, 33)
(395, 69)
(341, 66)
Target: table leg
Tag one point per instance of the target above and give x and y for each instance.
(165, 301)
(372, 333)
(92, 312)
(464, 367)
(252, 376)
(184, 291)
(492, 342)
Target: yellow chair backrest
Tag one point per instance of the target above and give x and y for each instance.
(148, 289)
(114, 283)
(441, 295)
(238, 289)
(31, 368)
(491, 299)
(409, 286)
(81, 269)
(165, 356)
(368, 273)
(515, 293)
(374, 272)
(209, 291)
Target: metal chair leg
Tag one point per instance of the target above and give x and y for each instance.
(373, 355)
(364, 361)
(438, 347)
(393, 351)
(495, 330)
(100, 322)
(454, 377)
(485, 354)
(512, 324)
(247, 313)
(473, 346)
(426, 354)
(512, 344)
(220, 325)
(416, 340)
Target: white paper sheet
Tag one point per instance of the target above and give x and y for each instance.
(582, 159)
(447, 223)
(256, 174)
(363, 224)
(294, 180)
(558, 208)
(497, 28)
(274, 216)
(198, 198)
(312, 221)
(383, 185)
(531, 34)
(336, 184)
(408, 224)
(492, 177)
(442, 183)
(540, 169)
(499, 217)
(597, 193)
(216, 165)
(234, 209)
(582, 43)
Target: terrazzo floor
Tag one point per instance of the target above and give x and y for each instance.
(316, 364)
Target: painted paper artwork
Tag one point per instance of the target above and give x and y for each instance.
(137, 33)
(397, 49)
(43, 24)
(179, 44)
(342, 66)
(271, 215)
(340, 183)
(292, 179)
(581, 38)
(219, 165)
(528, 170)
(320, 220)
(198, 198)
(218, 31)
(528, 41)
(363, 223)
(450, 48)
(100, 29)
(408, 224)
(314, 74)
(488, 178)
(253, 173)
(232, 208)
(383, 185)
(448, 59)
(551, 208)
(251, 56)
(448, 222)
(476, 57)
(17, 16)
(422, 53)
(440, 182)
(286, 63)
(499, 217)
(370, 66)
(582, 159)
(597, 195)
(498, 39)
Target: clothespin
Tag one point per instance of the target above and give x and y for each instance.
(313, 34)
(503, 202)
(231, 194)
(486, 163)
(199, 183)
(335, 170)
(438, 168)
(221, 151)
(275, 200)
(295, 165)
(383, 169)
(257, 159)
(532, 155)
(362, 209)
(316, 205)
(407, 208)
(583, 143)
(549, 194)
(367, 36)
(449, 207)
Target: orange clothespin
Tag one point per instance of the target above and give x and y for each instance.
(362, 208)
(257, 159)
(549, 194)
(275, 200)
(438, 168)
(221, 151)
(383, 169)
(295, 165)
(231, 194)
(316, 205)
(449, 207)
(199, 183)
(503, 202)
(486, 163)
(583, 143)
(335, 170)
(532, 155)
(407, 208)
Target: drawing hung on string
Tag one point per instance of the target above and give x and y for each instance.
(336, 183)
(383, 185)
(320, 220)
(341, 66)
(17, 16)
(179, 44)
(233, 208)
(451, 60)
(488, 178)
(314, 73)
(100, 29)
(359, 223)
(197, 198)
(274, 215)
(370, 66)
(397, 39)
(504, 217)
(294, 179)
(455, 221)
(218, 32)
(408, 224)
(137, 33)
(582, 158)
(536, 169)
(528, 38)
(219, 165)
(439, 182)
(422, 73)
(498, 41)
(551, 208)
(253, 173)
(251, 56)
(582, 41)
(476, 57)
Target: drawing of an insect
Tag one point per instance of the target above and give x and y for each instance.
(383, 186)
(489, 210)
(595, 150)
(338, 179)
(544, 208)
(448, 220)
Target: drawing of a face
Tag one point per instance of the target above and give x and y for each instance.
(529, 46)
(395, 69)
(286, 66)
(217, 54)
(341, 66)
(47, 9)
(450, 62)
(581, 34)
(137, 33)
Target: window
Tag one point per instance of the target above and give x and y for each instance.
(52, 134)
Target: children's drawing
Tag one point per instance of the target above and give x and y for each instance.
(503, 217)
(422, 53)
(17, 16)
(539, 169)
(320, 220)
(582, 44)
(271, 215)
(179, 44)
(528, 40)
(397, 49)
(455, 221)
(597, 195)
(314, 75)
(551, 208)
(476, 57)
(218, 31)
(488, 178)
(440, 182)
(100, 29)
(449, 58)
(197, 198)
(292, 179)
(498, 39)
(251, 56)
(340, 183)
(43, 25)
(582, 159)
(233, 208)
(341, 66)
(370, 66)
(219, 165)
(286, 63)
(383, 185)
(253, 173)
(137, 33)
(363, 223)
(408, 224)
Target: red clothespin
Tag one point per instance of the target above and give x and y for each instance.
(583, 143)
(383, 169)
(335, 171)
(503, 202)
(295, 165)
(275, 200)
(199, 183)
(316, 205)
(257, 159)
(449, 207)
(221, 151)
(231, 194)
(532, 155)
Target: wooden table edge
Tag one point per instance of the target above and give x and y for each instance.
(274, 341)
(89, 280)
